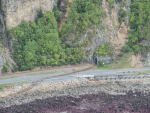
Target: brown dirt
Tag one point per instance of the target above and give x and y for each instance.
(64, 20)
(136, 63)
(113, 24)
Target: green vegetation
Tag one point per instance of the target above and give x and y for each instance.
(120, 63)
(139, 26)
(122, 14)
(1, 45)
(56, 13)
(83, 14)
(100, 63)
(75, 70)
(15, 68)
(8, 77)
(142, 72)
(5, 68)
(103, 50)
(39, 45)
(34, 74)
(111, 4)
(2, 86)
(105, 67)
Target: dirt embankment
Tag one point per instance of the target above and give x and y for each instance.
(118, 32)
(136, 61)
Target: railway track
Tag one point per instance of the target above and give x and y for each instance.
(21, 73)
(35, 83)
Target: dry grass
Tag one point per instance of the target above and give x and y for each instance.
(119, 63)
(2, 86)
(53, 72)
(8, 77)
(142, 72)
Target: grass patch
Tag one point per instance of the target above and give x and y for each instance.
(8, 77)
(34, 74)
(121, 62)
(2, 86)
(75, 70)
(142, 72)
(106, 67)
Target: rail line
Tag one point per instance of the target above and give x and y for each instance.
(35, 83)
(21, 73)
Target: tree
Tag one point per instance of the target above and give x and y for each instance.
(40, 13)
(100, 63)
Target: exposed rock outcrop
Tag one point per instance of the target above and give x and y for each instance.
(4, 58)
(12, 12)
(109, 31)
(18, 10)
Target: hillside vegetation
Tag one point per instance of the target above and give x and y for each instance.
(40, 43)
(139, 27)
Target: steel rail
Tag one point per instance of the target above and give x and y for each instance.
(35, 83)
(21, 73)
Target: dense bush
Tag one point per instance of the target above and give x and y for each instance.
(83, 14)
(100, 63)
(56, 13)
(139, 23)
(103, 50)
(5, 68)
(15, 68)
(126, 49)
(39, 45)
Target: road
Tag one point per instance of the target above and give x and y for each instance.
(32, 79)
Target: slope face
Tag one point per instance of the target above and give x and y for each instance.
(17, 10)
(113, 28)
(12, 12)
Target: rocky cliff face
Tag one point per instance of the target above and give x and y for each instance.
(17, 10)
(12, 12)
(111, 30)
(2, 24)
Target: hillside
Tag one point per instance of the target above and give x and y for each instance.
(48, 33)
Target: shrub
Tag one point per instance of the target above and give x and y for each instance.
(56, 13)
(1, 45)
(40, 13)
(5, 68)
(126, 49)
(111, 4)
(103, 50)
(15, 68)
(100, 63)
(121, 54)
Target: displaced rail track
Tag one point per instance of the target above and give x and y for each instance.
(22, 73)
(35, 83)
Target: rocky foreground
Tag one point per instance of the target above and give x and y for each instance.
(81, 95)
